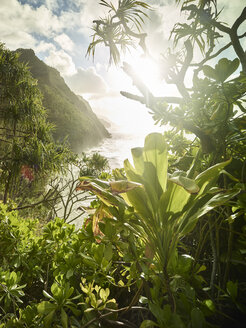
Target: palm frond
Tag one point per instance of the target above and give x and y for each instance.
(108, 5)
(114, 31)
(92, 47)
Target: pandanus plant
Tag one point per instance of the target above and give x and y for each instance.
(166, 207)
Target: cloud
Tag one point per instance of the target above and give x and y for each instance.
(18, 39)
(87, 81)
(160, 24)
(65, 42)
(61, 61)
(90, 10)
(43, 46)
(230, 11)
(17, 17)
(51, 4)
(26, 23)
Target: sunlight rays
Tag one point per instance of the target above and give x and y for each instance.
(146, 68)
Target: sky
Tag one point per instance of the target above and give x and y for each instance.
(59, 31)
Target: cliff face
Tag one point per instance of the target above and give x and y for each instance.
(72, 115)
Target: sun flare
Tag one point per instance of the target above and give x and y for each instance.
(146, 69)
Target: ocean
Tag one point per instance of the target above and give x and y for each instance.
(118, 148)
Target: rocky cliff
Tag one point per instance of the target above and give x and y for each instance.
(72, 115)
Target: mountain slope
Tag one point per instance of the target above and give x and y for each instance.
(72, 115)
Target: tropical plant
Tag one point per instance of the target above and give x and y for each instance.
(27, 150)
(93, 165)
(166, 209)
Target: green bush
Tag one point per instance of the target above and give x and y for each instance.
(54, 276)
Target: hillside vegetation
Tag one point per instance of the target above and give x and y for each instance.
(72, 115)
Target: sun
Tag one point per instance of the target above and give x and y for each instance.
(146, 69)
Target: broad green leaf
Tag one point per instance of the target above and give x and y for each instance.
(122, 186)
(88, 310)
(173, 200)
(69, 290)
(155, 152)
(225, 68)
(109, 230)
(151, 183)
(104, 294)
(202, 268)
(148, 324)
(143, 300)
(98, 252)
(197, 318)
(93, 300)
(138, 161)
(222, 70)
(138, 199)
(208, 178)
(100, 189)
(177, 321)
(202, 206)
(56, 290)
(94, 185)
(48, 319)
(162, 314)
(69, 273)
(131, 172)
(64, 319)
(210, 305)
(209, 72)
(45, 307)
(232, 289)
(111, 302)
(222, 198)
(108, 252)
(188, 184)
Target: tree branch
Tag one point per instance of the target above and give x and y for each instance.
(110, 312)
(172, 100)
(45, 199)
(187, 61)
(206, 141)
(148, 96)
(235, 39)
(140, 36)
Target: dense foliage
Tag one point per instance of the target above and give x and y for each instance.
(128, 265)
(54, 276)
(27, 150)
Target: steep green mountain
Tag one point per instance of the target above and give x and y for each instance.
(72, 115)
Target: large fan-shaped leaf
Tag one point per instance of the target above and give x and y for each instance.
(137, 156)
(155, 152)
(173, 200)
(207, 179)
